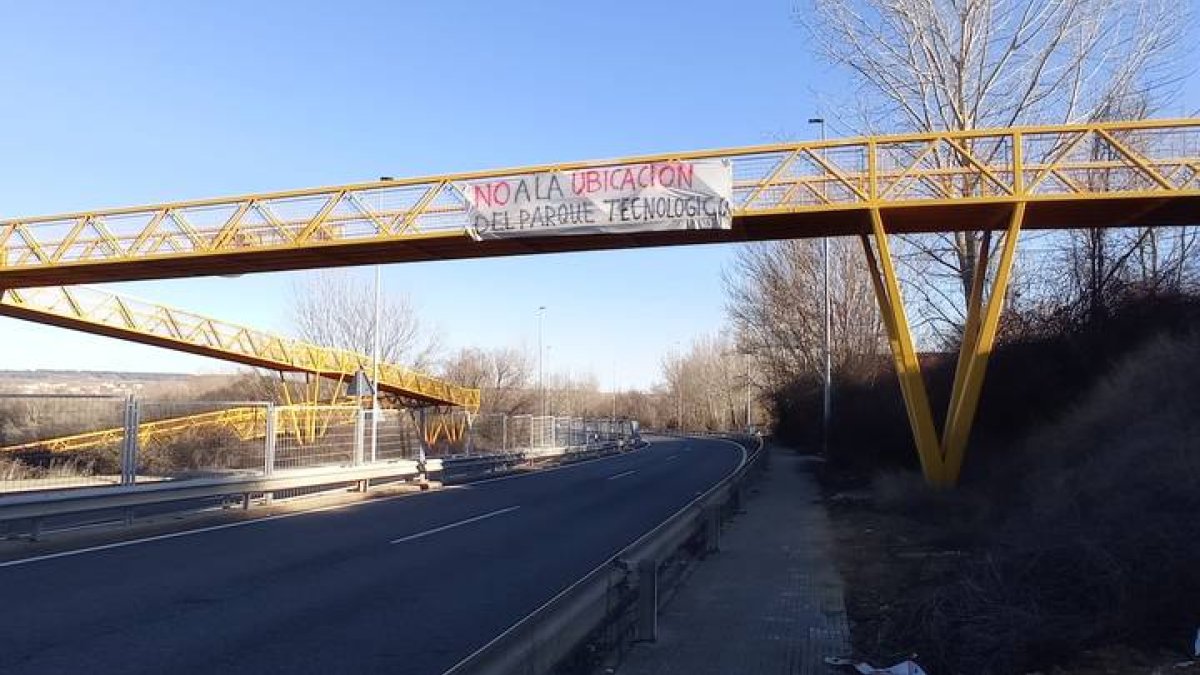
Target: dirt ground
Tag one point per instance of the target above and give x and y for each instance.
(888, 560)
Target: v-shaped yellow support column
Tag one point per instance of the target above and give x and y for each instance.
(942, 458)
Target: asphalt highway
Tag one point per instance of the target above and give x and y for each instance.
(401, 585)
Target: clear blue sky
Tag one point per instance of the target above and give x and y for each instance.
(121, 103)
(117, 103)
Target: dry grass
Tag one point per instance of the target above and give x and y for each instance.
(12, 470)
(1089, 537)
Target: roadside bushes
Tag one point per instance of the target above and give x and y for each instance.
(1041, 368)
(201, 450)
(1101, 543)
(1077, 525)
(868, 429)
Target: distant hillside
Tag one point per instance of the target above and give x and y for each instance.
(46, 373)
(51, 381)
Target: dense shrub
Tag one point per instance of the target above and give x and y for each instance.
(1099, 545)
(1033, 377)
(1078, 522)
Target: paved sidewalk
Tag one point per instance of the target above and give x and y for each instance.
(769, 603)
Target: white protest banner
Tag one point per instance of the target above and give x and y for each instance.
(666, 195)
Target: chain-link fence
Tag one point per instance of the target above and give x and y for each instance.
(399, 437)
(60, 441)
(308, 436)
(52, 442)
(179, 440)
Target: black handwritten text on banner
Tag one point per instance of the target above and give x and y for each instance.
(668, 195)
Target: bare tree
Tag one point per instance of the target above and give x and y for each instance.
(334, 309)
(929, 65)
(775, 301)
(708, 382)
(571, 394)
(503, 375)
(655, 408)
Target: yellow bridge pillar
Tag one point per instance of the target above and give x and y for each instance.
(942, 456)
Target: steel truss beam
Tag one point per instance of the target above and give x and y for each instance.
(1112, 174)
(100, 312)
(942, 457)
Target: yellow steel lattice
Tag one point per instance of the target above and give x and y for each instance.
(246, 422)
(303, 423)
(1141, 159)
(98, 311)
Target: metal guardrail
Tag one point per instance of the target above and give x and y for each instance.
(36, 506)
(627, 581)
(455, 469)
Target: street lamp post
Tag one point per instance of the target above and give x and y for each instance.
(826, 408)
(541, 359)
(614, 390)
(376, 348)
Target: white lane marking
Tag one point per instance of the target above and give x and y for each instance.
(671, 458)
(185, 533)
(264, 519)
(536, 472)
(528, 617)
(623, 474)
(451, 526)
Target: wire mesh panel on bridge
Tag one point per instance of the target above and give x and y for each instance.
(1099, 163)
(311, 436)
(201, 439)
(57, 441)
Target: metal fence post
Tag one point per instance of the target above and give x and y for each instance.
(503, 432)
(376, 413)
(422, 427)
(269, 447)
(129, 449)
(360, 430)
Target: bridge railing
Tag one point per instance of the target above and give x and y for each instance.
(1111, 159)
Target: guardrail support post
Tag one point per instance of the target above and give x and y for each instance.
(129, 448)
(35, 529)
(712, 529)
(647, 602)
(269, 446)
